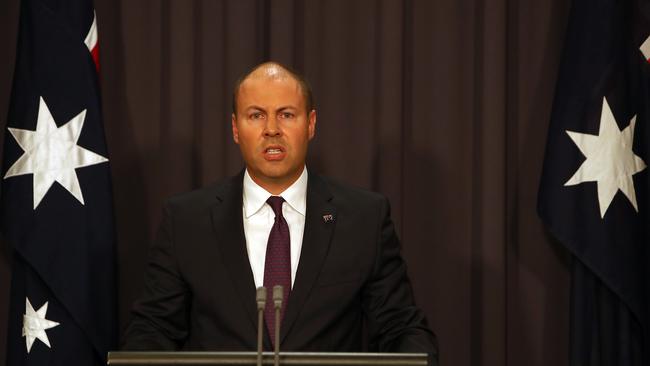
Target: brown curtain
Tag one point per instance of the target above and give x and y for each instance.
(441, 105)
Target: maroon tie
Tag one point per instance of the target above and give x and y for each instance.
(277, 264)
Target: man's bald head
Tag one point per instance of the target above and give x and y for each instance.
(274, 70)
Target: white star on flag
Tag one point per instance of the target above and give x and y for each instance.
(610, 160)
(91, 37)
(35, 324)
(645, 49)
(51, 153)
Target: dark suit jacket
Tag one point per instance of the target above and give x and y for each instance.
(200, 295)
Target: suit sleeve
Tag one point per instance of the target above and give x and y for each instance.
(395, 324)
(160, 319)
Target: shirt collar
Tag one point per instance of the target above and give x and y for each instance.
(255, 197)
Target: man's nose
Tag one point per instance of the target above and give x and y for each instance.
(272, 127)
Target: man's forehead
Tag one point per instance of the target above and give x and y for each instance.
(269, 73)
(270, 70)
(262, 85)
(271, 84)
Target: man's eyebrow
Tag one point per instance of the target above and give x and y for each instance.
(254, 107)
(286, 107)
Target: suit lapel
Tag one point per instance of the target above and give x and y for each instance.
(315, 245)
(229, 230)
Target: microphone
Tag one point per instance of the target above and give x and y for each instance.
(260, 297)
(277, 302)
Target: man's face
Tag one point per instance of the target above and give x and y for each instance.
(272, 129)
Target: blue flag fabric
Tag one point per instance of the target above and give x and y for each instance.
(56, 201)
(594, 189)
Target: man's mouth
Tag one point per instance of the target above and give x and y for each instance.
(274, 153)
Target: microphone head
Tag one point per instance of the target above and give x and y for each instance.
(277, 296)
(260, 297)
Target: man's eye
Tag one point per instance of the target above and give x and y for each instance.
(256, 115)
(286, 115)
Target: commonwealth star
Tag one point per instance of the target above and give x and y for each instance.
(35, 324)
(51, 153)
(610, 160)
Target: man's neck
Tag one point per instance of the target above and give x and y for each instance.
(273, 186)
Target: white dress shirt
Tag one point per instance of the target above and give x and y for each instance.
(259, 219)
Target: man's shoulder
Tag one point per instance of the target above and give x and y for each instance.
(229, 187)
(204, 196)
(348, 193)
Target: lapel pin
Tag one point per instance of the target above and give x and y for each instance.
(328, 218)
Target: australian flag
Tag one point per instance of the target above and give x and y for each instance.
(594, 188)
(56, 204)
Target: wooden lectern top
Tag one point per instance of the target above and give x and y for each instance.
(250, 358)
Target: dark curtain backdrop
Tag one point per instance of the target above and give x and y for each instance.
(441, 105)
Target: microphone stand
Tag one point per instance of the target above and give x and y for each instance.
(260, 297)
(277, 302)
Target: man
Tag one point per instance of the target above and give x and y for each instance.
(332, 247)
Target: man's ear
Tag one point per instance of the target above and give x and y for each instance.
(312, 123)
(235, 131)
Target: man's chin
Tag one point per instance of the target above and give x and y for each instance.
(277, 174)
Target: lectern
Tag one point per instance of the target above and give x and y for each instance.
(250, 358)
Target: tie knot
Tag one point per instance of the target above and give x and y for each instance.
(276, 204)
